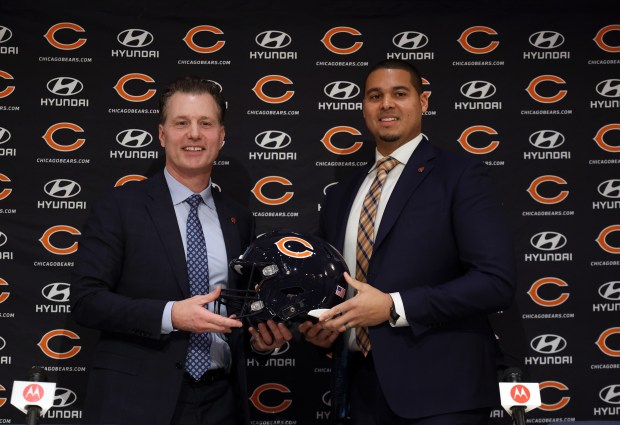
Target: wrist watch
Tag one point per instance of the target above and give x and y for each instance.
(394, 316)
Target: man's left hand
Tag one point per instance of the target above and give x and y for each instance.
(268, 335)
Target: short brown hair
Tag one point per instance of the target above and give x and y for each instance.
(193, 85)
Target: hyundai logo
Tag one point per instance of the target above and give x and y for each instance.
(548, 344)
(609, 88)
(610, 291)
(65, 86)
(5, 34)
(410, 40)
(64, 397)
(3, 239)
(478, 89)
(134, 138)
(546, 39)
(135, 38)
(273, 39)
(610, 188)
(273, 139)
(341, 90)
(62, 188)
(548, 241)
(547, 139)
(610, 394)
(5, 135)
(57, 292)
(2, 343)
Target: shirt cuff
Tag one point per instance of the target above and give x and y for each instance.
(166, 319)
(400, 310)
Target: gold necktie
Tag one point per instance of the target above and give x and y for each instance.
(365, 236)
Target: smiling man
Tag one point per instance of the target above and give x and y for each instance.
(152, 258)
(422, 232)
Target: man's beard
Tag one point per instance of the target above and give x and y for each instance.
(389, 138)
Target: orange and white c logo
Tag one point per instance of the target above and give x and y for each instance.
(464, 140)
(45, 239)
(600, 134)
(49, 137)
(559, 386)
(601, 342)
(327, 41)
(425, 82)
(281, 244)
(189, 39)
(327, 140)
(7, 91)
(531, 89)
(4, 295)
(257, 190)
(533, 190)
(2, 399)
(464, 42)
(44, 344)
(129, 178)
(4, 193)
(535, 296)
(51, 33)
(120, 87)
(602, 239)
(601, 43)
(256, 401)
(259, 91)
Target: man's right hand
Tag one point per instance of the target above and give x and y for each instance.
(192, 316)
(316, 334)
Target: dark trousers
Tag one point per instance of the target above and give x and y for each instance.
(369, 407)
(210, 402)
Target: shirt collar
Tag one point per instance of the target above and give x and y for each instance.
(180, 193)
(403, 153)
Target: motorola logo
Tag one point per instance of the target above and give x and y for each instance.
(610, 394)
(64, 397)
(5, 135)
(610, 291)
(135, 38)
(610, 188)
(273, 39)
(609, 88)
(5, 34)
(3, 239)
(548, 241)
(546, 39)
(62, 188)
(548, 344)
(134, 138)
(57, 292)
(410, 40)
(273, 139)
(478, 90)
(547, 139)
(65, 86)
(341, 90)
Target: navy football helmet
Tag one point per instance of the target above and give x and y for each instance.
(290, 277)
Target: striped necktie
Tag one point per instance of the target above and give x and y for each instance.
(199, 352)
(365, 236)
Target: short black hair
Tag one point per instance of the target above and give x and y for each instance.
(193, 85)
(416, 79)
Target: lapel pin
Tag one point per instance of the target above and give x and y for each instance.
(233, 220)
(421, 170)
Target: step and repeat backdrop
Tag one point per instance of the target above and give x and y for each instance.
(535, 94)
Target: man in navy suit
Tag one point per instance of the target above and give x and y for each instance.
(131, 279)
(441, 262)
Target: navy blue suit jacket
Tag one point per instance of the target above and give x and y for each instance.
(443, 246)
(130, 262)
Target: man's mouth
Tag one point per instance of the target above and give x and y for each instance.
(193, 148)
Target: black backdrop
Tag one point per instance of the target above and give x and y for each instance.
(533, 90)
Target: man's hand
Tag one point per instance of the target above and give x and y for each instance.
(317, 334)
(368, 307)
(269, 335)
(192, 316)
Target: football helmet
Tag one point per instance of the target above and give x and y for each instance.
(290, 276)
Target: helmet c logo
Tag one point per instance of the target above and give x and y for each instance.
(533, 190)
(281, 244)
(258, 187)
(327, 140)
(258, 89)
(7, 91)
(189, 39)
(327, 41)
(45, 340)
(601, 134)
(533, 292)
(50, 36)
(120, 87)
(477, 50)
(599, 39)
(557, 385)
(602, 239)
(255, 398)
(601, 342)
(531, 89)
(463, 140)
(45, 240)
(49, 137)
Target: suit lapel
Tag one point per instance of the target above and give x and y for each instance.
(350, 187)
(161, 210)
(416, 170)
(229, 228)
